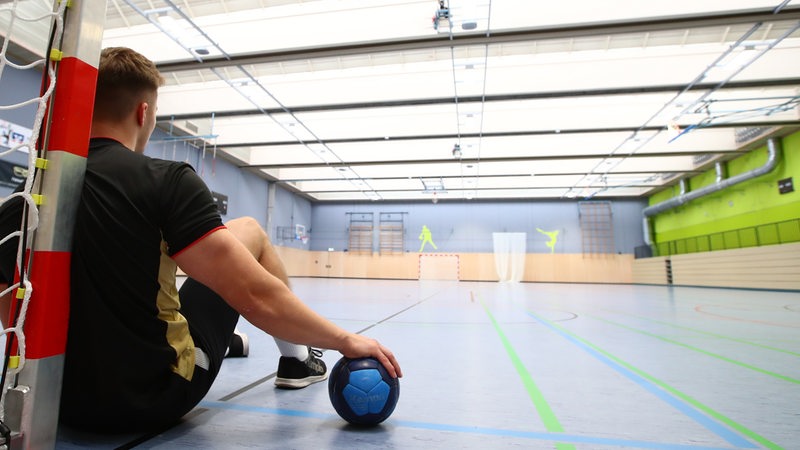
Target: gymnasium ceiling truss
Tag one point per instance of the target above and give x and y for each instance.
(393, 100)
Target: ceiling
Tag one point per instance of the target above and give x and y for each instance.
(346, 100)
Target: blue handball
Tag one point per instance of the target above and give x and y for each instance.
(361, 391)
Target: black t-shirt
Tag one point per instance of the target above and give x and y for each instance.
(127, 341)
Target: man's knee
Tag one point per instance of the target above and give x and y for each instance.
(245, 224)
(249, 232)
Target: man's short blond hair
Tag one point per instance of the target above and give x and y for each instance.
(124, 79)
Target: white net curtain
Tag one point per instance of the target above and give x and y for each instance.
(509, 256)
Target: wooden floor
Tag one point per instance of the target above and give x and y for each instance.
(535, 366)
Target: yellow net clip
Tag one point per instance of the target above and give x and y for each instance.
(38, 199)
(56, 54)
(69, 3)
(21, 293)
(41, 163)
(13, 362)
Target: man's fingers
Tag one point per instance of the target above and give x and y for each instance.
(390, 362)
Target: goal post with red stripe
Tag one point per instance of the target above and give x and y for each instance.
(40, 309)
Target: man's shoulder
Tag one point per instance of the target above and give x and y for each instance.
(105, 144)
(110, 149)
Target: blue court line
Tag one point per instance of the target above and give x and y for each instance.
(712, 425)
(264, 410)
(543, 436)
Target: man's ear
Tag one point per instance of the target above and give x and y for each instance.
(141, 113)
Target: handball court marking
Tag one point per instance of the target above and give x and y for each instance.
(731, 434)
(469, 429)
(707, 333)
(678, 399)
(553, 426)
(698, 350)
(554, 434)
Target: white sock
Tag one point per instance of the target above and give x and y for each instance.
(292, 350)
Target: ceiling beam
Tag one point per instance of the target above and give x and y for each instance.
(508, 188)
(669, 88)
(510, 175)
(484, 135)
(496, 37)
(490, 160)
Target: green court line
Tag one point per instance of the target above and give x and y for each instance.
(549, 418)
(699, 350)
(666, 387)
(707, 333)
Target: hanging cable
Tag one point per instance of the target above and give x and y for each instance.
(482, 97)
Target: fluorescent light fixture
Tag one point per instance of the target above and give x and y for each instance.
(738, 57)
(432, 185)
(372, 195)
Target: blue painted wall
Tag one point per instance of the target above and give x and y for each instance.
(290, 210)
(467, 226)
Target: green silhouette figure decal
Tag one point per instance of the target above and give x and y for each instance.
(553, 235)
(425, 237)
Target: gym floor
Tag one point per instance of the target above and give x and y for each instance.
(539, 366)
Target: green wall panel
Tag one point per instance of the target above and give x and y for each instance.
(748, 204)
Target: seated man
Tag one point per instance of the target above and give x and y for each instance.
(141, 354)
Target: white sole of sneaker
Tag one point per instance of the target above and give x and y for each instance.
(290, 383)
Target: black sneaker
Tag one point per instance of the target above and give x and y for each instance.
(296, 374)
(239, 346)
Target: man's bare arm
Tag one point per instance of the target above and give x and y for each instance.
(225, 265)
